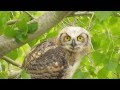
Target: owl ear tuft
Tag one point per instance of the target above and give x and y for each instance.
(58, 39)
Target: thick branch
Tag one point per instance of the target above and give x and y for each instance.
(46, 21)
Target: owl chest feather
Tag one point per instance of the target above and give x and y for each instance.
(72, 57)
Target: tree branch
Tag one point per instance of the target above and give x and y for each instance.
(45, 22)
(78, 13)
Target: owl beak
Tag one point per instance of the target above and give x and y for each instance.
(73, 44)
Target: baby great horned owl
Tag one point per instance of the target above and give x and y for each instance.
(58, 58)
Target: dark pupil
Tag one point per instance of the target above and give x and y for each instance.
(67, 38)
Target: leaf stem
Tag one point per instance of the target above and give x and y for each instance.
(12, 22)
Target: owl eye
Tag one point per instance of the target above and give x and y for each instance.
(67, 38)
(80, 38)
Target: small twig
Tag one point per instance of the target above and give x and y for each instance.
(90, 60)
(90, 23)
(12, 15)
(9, 60)
(33, 21)
(29, 14)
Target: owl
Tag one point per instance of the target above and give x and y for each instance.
(58, 58)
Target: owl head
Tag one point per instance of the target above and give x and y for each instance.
(74, 39)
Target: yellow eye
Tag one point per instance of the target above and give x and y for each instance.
(67, 38)
(80, 38)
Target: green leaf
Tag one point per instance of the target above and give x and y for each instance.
(52, 34)
(24, 75)
(32, 27)
(81, 75)
(22, 24)
(21, 38)
(10, 32)
(13, 54)
(98, 57)
(96, 41)
(5, 16)
(32, 43)
(113, 21)
(112, 64)
(24, 16)
(102, 74)
(102, 15)
(85, 61)
(3, 66)
(20, 52)
(91, 70)
(78, 74)
(118, 69)
(115, 30)
(26, 48)
(3, 75)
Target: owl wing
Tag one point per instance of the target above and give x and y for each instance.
(46, 61)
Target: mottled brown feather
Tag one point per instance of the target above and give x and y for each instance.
(46, 61)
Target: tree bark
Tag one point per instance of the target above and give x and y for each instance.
(45, 22)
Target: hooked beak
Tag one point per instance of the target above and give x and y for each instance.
(73, 44)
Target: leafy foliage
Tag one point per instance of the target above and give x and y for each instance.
(105, 35)
(24, 75)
